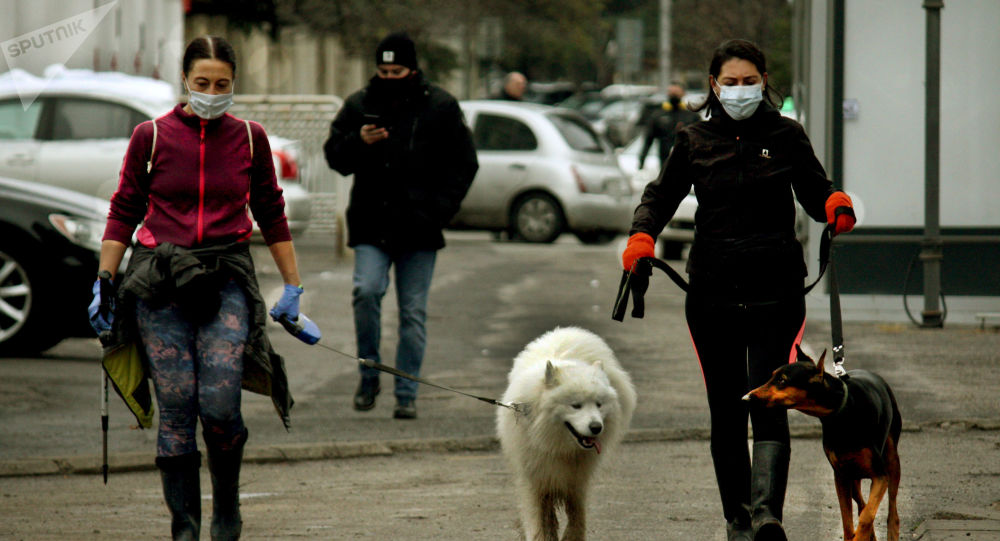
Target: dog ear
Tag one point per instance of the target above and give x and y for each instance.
(819, 364)
(551, 374)
(800, 355)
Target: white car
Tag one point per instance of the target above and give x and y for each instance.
(542, 171)
(71, 129)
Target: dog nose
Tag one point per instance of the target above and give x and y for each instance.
(595, 428)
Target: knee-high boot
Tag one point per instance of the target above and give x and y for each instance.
(732, 471)
(767, 487)
(225, 468)
(182, 492)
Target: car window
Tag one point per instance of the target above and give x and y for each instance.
(496, 132)
(81, 118)
(578, 134)
(16, 122)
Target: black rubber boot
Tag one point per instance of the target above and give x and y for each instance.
(732, 471)
(182, 492)
(225, 469)
(767, 488)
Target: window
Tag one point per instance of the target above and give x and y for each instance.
(495, 132)
(81, 118)
(578, 135)
(16, 122)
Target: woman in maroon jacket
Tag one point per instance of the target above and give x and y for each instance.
(189, 295)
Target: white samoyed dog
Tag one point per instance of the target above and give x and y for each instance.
(575, 404)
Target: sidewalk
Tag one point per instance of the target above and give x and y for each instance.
(461, 490)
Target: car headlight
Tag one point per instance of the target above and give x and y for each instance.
(80, 231)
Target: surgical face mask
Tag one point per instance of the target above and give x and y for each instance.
(209, 106)
(740, 102)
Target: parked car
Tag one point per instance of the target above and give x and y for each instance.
(74, 134)
(679, 231)
(50, 242)
(542, 171)
(549, 93)
(619, 120)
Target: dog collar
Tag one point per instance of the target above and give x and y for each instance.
(843, 401)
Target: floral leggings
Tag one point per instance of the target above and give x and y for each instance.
(197, 372)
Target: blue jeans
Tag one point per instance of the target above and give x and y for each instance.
(413, 282)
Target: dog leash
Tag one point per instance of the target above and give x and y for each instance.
(635, 281)
(516, 407)
(836, 326)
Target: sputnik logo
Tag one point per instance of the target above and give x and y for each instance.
(53, 44)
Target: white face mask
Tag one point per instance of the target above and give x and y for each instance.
(209, 106)
(740, 102)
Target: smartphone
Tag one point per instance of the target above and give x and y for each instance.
(373, 119)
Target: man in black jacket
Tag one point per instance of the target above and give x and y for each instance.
(411, 154)
(663, 125)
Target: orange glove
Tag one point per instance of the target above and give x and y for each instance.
(639, 245)
(843, 220)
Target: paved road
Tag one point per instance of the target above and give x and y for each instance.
(440, 477)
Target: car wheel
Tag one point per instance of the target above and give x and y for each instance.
(23, 330)
(670, 249)
(537, 218)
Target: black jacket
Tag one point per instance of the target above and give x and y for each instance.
(663, 126)
(745, 175)
(409, 186)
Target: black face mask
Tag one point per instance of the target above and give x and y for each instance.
(675, 101)
(392, 89)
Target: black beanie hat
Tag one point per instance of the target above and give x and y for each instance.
(397, 48)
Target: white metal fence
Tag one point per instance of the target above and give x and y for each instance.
(306, 119)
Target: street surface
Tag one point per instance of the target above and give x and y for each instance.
(441, 476)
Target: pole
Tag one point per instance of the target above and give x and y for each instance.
(664, 75)
(837, 95)
(931, 252)
(104, 424)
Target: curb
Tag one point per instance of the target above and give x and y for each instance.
(296, 452)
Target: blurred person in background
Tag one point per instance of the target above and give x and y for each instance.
(663, 124)
(188, 311)
(745, 307)
(514, 86)
(411, 154)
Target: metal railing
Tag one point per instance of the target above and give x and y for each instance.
(306, 119)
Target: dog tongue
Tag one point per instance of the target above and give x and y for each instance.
(597, 445)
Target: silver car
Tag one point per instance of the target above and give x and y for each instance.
(75, 132)
(543, 171)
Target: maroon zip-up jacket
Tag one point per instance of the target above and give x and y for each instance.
(199, 187)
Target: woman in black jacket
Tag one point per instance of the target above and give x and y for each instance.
(745, 308)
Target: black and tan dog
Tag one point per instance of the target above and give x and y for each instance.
(861, 426)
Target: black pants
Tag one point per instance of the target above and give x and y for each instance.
(739, 346)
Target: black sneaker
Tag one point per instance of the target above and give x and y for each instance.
(364, 397)
(405, 409)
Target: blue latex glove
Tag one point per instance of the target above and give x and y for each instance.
(288, 304)
(100, 322)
